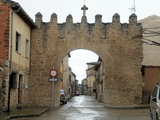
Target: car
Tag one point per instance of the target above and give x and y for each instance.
(155, 103)
(77, 93)
(63, 97)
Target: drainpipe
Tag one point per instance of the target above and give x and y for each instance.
(10, 63)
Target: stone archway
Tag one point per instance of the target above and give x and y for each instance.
(118, 45)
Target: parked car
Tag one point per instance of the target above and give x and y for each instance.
(155, 103)
(63, 97)
(77, 93)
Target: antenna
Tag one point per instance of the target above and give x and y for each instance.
(133, 9)
(84, 2)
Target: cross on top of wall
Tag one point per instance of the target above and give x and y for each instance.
(84, 8)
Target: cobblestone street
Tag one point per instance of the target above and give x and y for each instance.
(87, 108)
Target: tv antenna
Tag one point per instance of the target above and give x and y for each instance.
(133, 9)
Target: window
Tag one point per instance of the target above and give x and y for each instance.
(70, 79)
(18, 42)
(27, 48)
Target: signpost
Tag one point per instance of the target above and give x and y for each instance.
(53, 73)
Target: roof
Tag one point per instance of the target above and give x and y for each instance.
(21, 12)
(151, 66)
(151, 41)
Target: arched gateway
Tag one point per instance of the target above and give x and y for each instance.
(118, 45)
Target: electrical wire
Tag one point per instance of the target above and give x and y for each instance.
(152, 34)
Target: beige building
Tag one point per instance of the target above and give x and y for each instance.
(77, 86)
(91, 78)
(18, 62)
(65, 72)
(67, 77)
(71, 84)
(151, 48)
(84, 86)
(99, 68)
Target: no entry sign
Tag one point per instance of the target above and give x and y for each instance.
(53, 73)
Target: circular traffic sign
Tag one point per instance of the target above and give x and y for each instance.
(53, 73)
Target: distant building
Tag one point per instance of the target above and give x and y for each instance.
(65, 72)
(91, 73)
(71, 84)
(99, 68)
(84, 86)
(68, 78)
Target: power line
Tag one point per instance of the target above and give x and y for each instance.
(152, 42)
(152, 34)
(152, 28)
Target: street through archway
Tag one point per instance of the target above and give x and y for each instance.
(88, 108)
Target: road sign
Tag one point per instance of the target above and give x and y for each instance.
(52, 79)
(53, 73)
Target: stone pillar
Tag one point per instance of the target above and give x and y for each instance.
(84, 20)
(133, 18)
(53, 18)
(38, 20)
(69, 24)
(69, 19)
(98, 19)
(116, 18)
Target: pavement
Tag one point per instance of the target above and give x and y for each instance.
(37, 111)
(25, 112)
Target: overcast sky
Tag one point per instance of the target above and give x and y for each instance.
(78, 61)
(107, 8)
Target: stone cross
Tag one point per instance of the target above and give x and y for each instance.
(84, 8)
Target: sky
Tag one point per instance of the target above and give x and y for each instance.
(107, 8)
(78, 63)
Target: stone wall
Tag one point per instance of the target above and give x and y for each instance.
(4, 51)
(118, 45)
(19, 94)
(4, 78)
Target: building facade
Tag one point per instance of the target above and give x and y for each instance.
(16, 27)
(99, 68)
(91, 78)
(151, 47)
(71, 84)
(84, 86)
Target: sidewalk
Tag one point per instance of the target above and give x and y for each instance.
(37, 111)
(141, 106)
(25, 112)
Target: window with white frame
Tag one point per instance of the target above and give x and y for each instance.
(27, 48)
(18, 42)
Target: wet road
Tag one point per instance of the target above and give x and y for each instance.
(87, 108)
